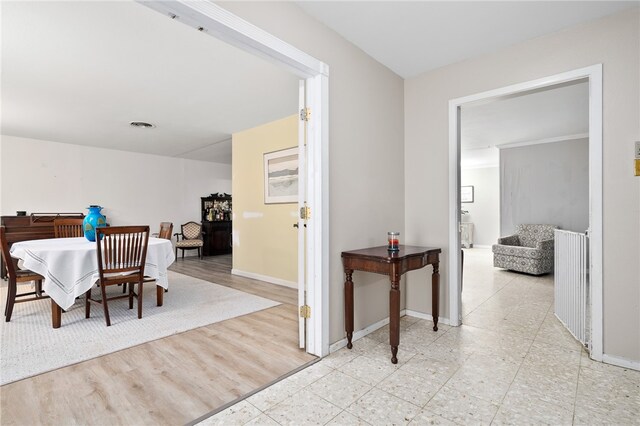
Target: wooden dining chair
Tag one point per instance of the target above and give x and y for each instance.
(122, 252)
(166, 229)
(68, 228)
(15, 276)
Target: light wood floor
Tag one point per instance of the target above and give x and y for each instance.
(173, 380)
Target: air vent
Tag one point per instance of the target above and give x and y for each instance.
(142, 125)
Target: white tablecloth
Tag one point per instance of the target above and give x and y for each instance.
(70, 265)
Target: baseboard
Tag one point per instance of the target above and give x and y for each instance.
(360, 333)
(373, 327)
(621, 362)
(265, 278)
(424, 316)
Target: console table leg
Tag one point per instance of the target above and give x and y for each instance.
(435, 295)
(394, 319)
(348, 307)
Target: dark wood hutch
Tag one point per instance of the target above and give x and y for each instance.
(216, 211)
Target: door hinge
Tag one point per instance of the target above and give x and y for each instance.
(305, 311)
(305, 213)
(305, 114)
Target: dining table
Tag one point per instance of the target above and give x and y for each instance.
(70, 267)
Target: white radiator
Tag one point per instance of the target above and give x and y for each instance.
(571, 276)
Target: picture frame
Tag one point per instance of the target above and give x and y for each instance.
(281, 176)
(466, 194)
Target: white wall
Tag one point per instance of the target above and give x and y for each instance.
(484, 212)
(612, 41)
(366, 135)
(133, 188)
(545, 183)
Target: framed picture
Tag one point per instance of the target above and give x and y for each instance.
(281, 176)
(466, 194)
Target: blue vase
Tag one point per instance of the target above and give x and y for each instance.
(93, 220)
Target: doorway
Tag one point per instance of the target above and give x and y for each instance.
(218, 22)
(593, 75)
(524, 160)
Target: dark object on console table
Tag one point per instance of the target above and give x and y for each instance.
(36, 226)
(216, 224)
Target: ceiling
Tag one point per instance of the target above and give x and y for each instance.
(556, 112)
(412, 37)
(79, 72)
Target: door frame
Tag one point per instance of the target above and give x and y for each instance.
(217, 22)
(594, 75)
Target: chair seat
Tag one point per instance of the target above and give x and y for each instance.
(190, 243)
(26, 275)
(519, 251)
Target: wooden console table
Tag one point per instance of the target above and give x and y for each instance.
(381, 261)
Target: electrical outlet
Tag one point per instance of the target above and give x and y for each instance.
(638, 149)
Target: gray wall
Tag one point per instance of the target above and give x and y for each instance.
(546, 183)
(613, 42)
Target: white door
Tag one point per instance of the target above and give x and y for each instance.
(302, 200)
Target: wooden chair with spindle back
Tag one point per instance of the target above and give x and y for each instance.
(15, 276)
(121, 250)
(68, 228)
(166, 229)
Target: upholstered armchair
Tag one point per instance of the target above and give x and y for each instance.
(529, 250)
(191, 233)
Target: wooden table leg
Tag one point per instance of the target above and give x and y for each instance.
(394, 317)
(159, 295)
(56, 314)
(348, 306)
(435, 295)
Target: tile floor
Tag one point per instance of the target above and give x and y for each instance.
(511, 362)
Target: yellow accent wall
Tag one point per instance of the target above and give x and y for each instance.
(264, 239)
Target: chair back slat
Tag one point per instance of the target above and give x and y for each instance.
(68, 228)
(122, 249)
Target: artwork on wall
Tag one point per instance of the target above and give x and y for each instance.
(281, 176)
(466, 194)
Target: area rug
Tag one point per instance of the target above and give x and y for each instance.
(29, 345)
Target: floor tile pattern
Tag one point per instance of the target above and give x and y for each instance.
(510, 363)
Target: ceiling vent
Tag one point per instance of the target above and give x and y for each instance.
(142, 125)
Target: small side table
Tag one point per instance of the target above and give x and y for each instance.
(381, 261)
